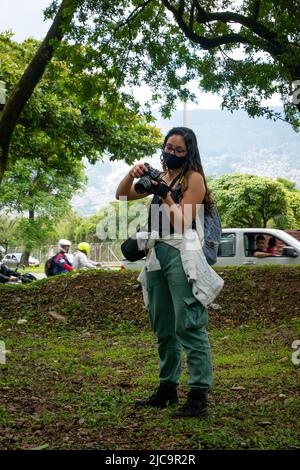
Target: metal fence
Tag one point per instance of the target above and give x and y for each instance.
(105, 251)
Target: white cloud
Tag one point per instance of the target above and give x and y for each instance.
(24, 18)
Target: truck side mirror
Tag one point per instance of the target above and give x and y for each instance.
(289, 251)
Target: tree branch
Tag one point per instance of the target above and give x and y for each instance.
(206, 43)
(256, 9)
(192, 16)
(181, 7)
(231, 16)
(272, 45)
(133, 14)
(30, 78)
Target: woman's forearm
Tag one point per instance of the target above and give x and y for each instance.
(124, 187)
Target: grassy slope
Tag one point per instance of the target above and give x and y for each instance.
(71, 384)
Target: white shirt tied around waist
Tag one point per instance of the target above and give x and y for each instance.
(206, 283)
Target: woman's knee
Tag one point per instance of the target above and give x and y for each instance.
(169, 341)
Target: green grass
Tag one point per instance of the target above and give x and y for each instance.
(33, 269)
(240, 271)
(75, 389)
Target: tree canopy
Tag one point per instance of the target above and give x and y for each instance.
(256, 201)
(8, 231)
(41, 195)
(67, 119)
(246, 51)
(72, 116)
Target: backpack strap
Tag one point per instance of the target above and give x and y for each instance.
(178, 178)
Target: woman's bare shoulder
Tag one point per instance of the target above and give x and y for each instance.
(195, 177)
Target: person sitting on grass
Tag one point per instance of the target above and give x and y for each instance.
(81, 260)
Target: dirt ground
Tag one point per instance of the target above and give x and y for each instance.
(265, 295)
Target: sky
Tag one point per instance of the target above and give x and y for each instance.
(25, 19)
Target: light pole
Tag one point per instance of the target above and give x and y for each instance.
(185, 119)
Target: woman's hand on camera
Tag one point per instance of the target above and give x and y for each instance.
(161, 189)
(137, 170)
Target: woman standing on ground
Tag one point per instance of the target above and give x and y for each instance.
(178, 319)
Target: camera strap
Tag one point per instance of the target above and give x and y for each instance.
(178, 178)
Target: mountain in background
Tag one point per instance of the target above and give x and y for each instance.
(227, 142)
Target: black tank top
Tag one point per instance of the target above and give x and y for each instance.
(158, 219)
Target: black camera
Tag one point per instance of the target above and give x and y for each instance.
(144, 185)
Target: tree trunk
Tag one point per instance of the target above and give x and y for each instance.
(30, 78)
(25, 255)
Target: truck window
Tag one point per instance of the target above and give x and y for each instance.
(250, 243)
(227, 245)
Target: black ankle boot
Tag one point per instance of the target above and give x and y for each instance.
(163, 396)
(196, 405)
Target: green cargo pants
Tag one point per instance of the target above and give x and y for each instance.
(179, 320)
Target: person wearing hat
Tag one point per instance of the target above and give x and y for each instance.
(81, 259)
(61, 263)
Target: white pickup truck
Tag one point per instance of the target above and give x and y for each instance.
(237, 246)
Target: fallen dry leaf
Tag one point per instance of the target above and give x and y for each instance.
(284, 359)
(57, 316)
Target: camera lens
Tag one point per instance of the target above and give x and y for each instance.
(143, 185)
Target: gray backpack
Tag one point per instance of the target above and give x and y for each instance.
(212, 235)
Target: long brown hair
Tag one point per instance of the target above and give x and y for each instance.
(193, 162)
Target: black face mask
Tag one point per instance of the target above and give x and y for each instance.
(172, 161)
